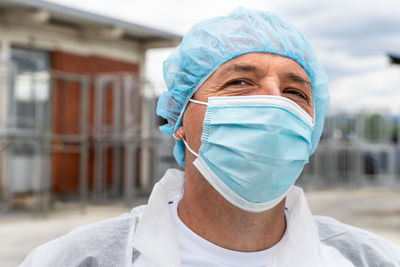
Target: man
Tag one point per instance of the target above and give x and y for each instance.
(247, 98)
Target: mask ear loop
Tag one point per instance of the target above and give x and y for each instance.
(183, 139)
(198, 102)
(186, 144)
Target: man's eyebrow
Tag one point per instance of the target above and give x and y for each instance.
(294, 77)
(241, 68)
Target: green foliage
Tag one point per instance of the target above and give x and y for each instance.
(376, 127)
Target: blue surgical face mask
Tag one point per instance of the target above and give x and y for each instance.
(253, 148)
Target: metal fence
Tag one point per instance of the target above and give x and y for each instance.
(99, 131)
(356, 150)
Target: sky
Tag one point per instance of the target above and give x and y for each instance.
(351, 38)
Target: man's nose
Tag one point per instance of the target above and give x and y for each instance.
(269, 87)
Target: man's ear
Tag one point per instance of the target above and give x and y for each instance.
(179, 134)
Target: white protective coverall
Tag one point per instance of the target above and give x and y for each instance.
(147, 237)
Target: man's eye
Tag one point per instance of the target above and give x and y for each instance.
(237, 83)
(296, 93)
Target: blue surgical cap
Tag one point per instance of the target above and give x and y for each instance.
(212, 42)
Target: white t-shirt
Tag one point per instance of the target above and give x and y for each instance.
(195, 251)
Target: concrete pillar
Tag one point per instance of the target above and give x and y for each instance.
(4, 61)
(146, 129)
(4, 80)
(146, 134)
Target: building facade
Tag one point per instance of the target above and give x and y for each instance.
(74, 116)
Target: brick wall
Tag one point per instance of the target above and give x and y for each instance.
(66, 113)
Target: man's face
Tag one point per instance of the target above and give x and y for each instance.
(249, 74)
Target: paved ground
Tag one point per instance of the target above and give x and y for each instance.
(374, 209)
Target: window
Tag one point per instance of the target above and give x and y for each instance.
(29, 89)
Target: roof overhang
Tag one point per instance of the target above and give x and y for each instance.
(43, 12)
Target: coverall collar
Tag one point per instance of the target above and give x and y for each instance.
(156, 238)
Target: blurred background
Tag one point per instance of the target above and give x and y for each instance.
(79, 82)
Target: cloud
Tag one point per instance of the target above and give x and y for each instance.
(154, 70)
(373, 90)
(339, 63)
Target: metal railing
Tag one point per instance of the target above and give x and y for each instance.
(356, 150)
(88, 129)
